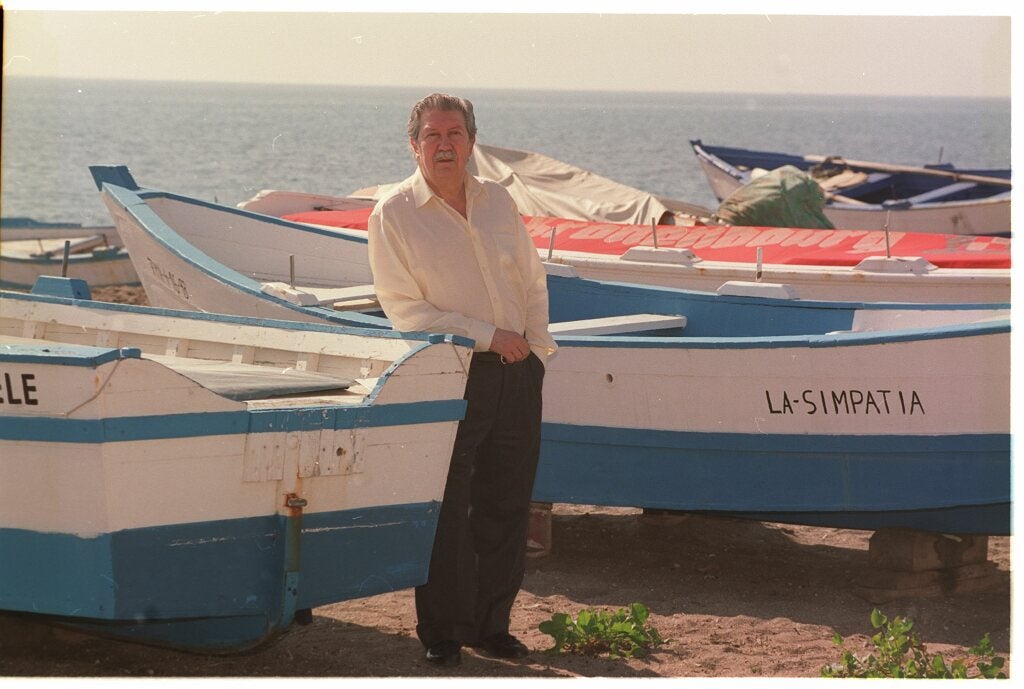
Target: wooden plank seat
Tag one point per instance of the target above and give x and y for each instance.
(351, 298)
(239, 381)
(618, 325)
(942, 193)
(79, 246)
(244, 382)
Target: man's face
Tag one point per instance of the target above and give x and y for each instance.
(443, 147)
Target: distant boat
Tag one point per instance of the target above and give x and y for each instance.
(860, 415)
(864, 195)
(198, 480)
(19, 227)
(30, 248)
(92, 258)
(839, 265)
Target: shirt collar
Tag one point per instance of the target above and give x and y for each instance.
(421, 191)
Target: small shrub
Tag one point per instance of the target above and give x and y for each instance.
(621, 634)
(901, 654)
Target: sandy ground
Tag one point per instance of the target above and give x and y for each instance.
(734, 599)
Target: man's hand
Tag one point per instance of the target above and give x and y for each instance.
(511, 346)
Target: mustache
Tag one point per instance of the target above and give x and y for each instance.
(444, 155)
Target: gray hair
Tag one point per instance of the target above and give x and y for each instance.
(441, 101)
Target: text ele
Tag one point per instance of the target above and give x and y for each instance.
(18, 389)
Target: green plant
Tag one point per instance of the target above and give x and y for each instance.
(901, 654)
(621, 634)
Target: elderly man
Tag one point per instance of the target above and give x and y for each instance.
(450, 254)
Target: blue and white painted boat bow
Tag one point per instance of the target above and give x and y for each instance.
(28, 251)
(194, 479)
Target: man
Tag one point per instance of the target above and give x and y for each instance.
(450, 254)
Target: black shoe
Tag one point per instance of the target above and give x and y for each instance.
(445, 653)
(502, 645)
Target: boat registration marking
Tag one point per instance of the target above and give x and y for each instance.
(846, 402)
(172, 281)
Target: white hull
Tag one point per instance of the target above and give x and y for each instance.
(901, 279)
(245, 472)
(100, 263)
(144, 449)
(856, 395)
(13, 230)
(879, 280)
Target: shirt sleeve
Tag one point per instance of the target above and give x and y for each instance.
(401, 296)
(537, 334)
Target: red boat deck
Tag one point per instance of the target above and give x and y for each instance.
(780, 245)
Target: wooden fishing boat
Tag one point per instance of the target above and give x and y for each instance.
(30, 248)
(200, 480)
(18, 227)
(862, 415)
(865, 195)
(91, 258)
(839, 265)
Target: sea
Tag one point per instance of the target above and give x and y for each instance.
(226, 142)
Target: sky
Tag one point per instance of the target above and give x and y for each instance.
(620, 46)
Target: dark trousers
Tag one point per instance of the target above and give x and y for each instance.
(479, 555)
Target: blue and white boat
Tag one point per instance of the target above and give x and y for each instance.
(867, 195)
(19, 227)
(30, 248)
(743, 402)
(197, 480)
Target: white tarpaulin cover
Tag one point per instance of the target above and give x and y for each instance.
(544, 186)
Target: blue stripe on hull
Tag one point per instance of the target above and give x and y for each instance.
(188, 425)
(213, 586)
(364, 553)
(832, 480)
(708, 314)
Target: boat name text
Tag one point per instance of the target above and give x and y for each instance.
(846, 402)
(176, 284)
(18, 389)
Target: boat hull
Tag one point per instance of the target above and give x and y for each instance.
(192, 586)
(146, 499)
(978, 216)
(754, 393)
(831, 265)
(22, 263)
(19, 228)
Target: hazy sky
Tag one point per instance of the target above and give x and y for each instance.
(776, 52)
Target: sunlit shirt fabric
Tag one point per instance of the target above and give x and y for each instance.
(429, 278)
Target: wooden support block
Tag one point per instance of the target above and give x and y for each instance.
(918, 564)
(915, 551)
(882, 586)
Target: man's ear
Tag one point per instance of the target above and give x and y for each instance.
(415, 150)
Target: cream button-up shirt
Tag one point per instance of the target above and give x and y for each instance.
(436, 271)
